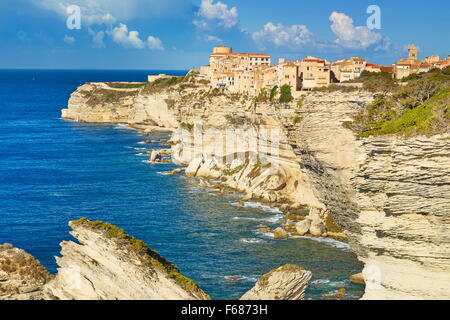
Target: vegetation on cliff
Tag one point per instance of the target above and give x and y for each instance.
(377, 81)
(286, 94)
(422, 106)
(19, 270)
(162, 84)
(147, 255)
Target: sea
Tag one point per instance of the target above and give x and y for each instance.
(53, 171)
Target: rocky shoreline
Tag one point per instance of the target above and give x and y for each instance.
(108, 264)
(389, 196)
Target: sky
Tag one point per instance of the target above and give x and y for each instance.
(180, 34)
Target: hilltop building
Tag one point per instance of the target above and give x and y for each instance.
(411, 65)
(346, 70)
(250, 73)
(314, 73)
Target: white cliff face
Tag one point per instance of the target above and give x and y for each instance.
(390, 195)
(153, 111)
(403, 191)
(285, 283)
(108, 265)
(100, 103)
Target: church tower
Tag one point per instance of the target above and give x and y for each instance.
(412, 51)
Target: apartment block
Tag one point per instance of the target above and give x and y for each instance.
(314, 72)
(346, 70)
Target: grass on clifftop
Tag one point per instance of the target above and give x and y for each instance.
(162, 84)
(139, 247)
(420, 107)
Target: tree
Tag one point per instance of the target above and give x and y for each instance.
(286, 94)
(273, 93)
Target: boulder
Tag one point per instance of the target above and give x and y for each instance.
(155, 156)
(317, 228)
(194, 165)
(302, 227)
(264, 230)
(172, 172)
(290, 226)
(280, 233)
(357, 278)
(285, 283)
(247, 197)
(202, 184)
(209, 169)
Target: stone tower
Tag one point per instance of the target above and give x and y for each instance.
(412, 51)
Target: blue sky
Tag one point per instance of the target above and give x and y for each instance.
(179, 34)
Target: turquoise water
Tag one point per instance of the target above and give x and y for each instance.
(53, 171)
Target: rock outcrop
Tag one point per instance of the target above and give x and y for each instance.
(285, 283)
(22, 277)
(391, 195)
(108, 264)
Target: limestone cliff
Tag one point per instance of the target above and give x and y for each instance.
(390, 195)
(108, 264)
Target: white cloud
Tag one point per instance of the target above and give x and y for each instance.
(97, 38)
(92, 12)
(351, 37)
(107, 11)
(155, 43)
(213, 39)
(105, 14)
(295, 36)
(69, 40)
(216, 13)
(129, 39)
(298, 37)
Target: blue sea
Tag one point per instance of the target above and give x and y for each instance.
(54, 171)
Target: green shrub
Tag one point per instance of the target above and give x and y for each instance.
(419, 107)
(297, 119)
(273, 93)
(286, 94)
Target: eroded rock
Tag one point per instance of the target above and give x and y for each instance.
(285, 283)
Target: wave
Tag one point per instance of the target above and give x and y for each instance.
(242, 278)
(57, 195)
(274, 219)
(328, 282)
(256, 205)
(327, 241)
(137, 149)
(122, 126)
(252, 240)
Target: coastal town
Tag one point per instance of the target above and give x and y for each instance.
(251, 73)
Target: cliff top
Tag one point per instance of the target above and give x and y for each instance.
(147, 256)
